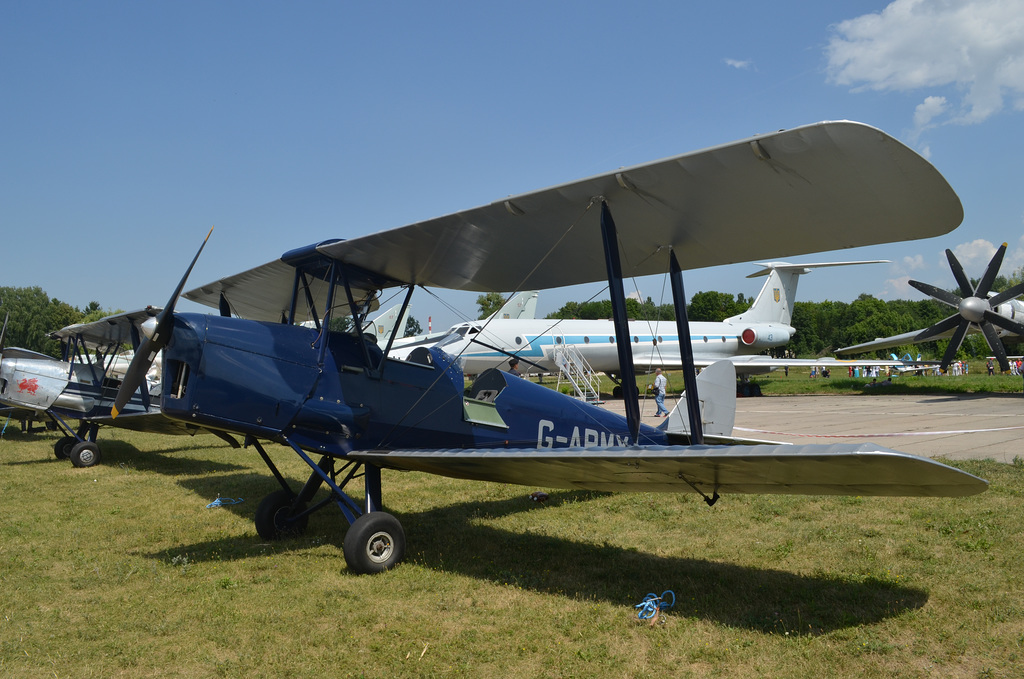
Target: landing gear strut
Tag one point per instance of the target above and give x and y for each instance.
(375, 540)
(79, 447)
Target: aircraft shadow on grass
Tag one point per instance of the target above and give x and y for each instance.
(163, 460)
(452, 539)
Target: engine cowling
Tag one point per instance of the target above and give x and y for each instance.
(766, 337)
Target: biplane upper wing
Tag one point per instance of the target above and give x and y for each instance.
(864, 469)
(816, 188)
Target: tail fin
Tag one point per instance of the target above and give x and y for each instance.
(716, 386)
(523, 305)
(388, 322)
(774, 304)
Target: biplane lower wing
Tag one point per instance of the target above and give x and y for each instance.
(862, 469)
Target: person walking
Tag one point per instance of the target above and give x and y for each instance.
(660, 382)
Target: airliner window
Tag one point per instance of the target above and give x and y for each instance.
(636, 339)
(659, 339)
(586, 340)
(558, 340)
(519, 340)
(705, 338)
(611, 340)
(723, 338)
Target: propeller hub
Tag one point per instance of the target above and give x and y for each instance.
(973, 309)
(148, 327)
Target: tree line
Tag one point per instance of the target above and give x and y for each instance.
(821, 327)
(30, 315)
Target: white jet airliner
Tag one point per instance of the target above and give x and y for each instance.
(740, 339)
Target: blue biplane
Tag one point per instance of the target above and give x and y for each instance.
(348, 410)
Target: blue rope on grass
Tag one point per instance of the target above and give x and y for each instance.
(653, 603)
(221, 501)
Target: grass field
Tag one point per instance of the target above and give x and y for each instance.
(122, 571)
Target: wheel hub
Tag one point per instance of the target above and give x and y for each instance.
(379, 547)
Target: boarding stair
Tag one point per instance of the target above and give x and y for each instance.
(574, 370)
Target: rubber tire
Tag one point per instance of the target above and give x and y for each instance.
(62, 448)
(85, 454)
(374, 543)
(272, 512)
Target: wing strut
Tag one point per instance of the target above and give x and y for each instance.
(630, 395)
(686, 354)
(394, 333)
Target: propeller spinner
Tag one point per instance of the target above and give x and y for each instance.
(153, 343)
(974, 308)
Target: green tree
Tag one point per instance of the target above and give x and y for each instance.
(715, 306)
(489, 303)
(412, 327)
(32, 315)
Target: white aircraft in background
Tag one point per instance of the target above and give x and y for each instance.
(978, 309)
(387, 323)
(521, 306)
(537, 343)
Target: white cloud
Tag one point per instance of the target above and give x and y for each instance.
(973, 46)
(898, 288)
(912, 263)
(928, 110)
(974, 256)
(742, 65)
(1014, 259)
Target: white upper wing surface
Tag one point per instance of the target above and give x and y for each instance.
(816, 188)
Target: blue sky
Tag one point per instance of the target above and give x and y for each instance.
(127, 128)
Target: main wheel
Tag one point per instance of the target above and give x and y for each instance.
(273, 514)
(85, 454)
(374, 543)
(62, 448)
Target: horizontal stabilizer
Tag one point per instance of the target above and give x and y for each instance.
(806, 268)
(841, 469)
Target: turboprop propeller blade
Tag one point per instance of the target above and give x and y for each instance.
(151, 345)
(974, 307)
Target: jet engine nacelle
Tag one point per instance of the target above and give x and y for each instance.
(766, 336)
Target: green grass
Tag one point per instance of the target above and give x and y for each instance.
(122, 571)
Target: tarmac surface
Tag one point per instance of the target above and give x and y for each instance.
(952, 426)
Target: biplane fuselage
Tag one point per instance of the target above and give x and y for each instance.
(273, 381)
